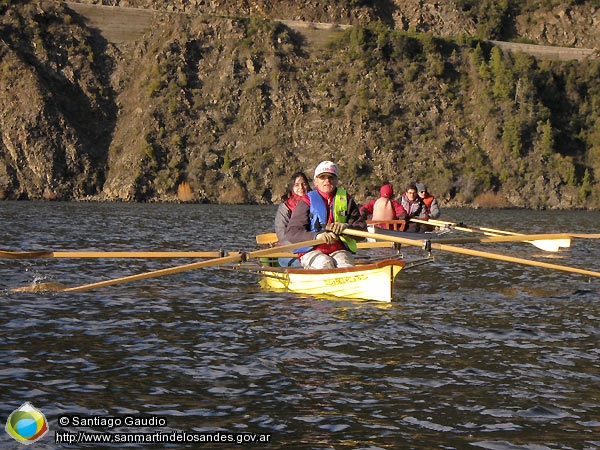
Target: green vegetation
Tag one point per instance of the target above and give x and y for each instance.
(231, 106)
(494, 17)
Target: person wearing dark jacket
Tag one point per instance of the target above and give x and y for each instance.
(415, 209)
(429, 200)
(297, 188)
(431, 203)
(325, 213)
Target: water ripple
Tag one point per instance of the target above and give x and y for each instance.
(470, 354)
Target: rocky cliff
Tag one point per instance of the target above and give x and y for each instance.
(56, 105)
(223, 108)
(564, 24)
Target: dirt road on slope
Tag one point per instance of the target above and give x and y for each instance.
(122, 25)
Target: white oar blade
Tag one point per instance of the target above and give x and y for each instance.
(566, 243)
(551, 245)
(548, 245)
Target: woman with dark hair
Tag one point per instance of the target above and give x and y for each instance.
(296, 189)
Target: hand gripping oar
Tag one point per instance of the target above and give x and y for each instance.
(465, 251)
(101, 254)
(231, 258)
(549, 244)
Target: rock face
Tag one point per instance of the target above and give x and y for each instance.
(56, 105)
(222, 109)
(563, 26)
(441, 18)
(569, 26)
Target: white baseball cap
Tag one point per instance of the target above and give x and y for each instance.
(326, 167)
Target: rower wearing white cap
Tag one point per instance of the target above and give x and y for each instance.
(325, 213)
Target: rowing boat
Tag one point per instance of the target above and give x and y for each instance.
(373, 281)
(369, 281)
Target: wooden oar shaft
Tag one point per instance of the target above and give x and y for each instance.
(25, 255)
(152, 254)
(437, 223)
(231, 258)
(361, 245)
(374, 244)
(552, 244)
(102, 254)
(271, 239)
(384, 237)
(510, 238)
(159, 273)
(466, 251)
(272, 250)
(493, 231)
(528, 262)
(462, 227)
(441, 223)
(490, 231)
(481, 230)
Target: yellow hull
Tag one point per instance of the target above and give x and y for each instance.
(365, 282)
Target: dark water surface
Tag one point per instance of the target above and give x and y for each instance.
(473, 353)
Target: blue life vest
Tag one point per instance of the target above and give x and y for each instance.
(318, 216)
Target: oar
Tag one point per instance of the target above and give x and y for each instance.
(100, 254)
(463, 227)
(585, 235)
(231, 258)
(549, 245)
(512, 238)
(25, 255)
(470, 252)
(508, 238)
(360, 245)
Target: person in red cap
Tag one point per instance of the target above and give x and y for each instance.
(325, 213)
(384, 207)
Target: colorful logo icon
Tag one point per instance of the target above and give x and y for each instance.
(26, 424)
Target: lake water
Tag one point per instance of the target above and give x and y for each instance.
(472, 353)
